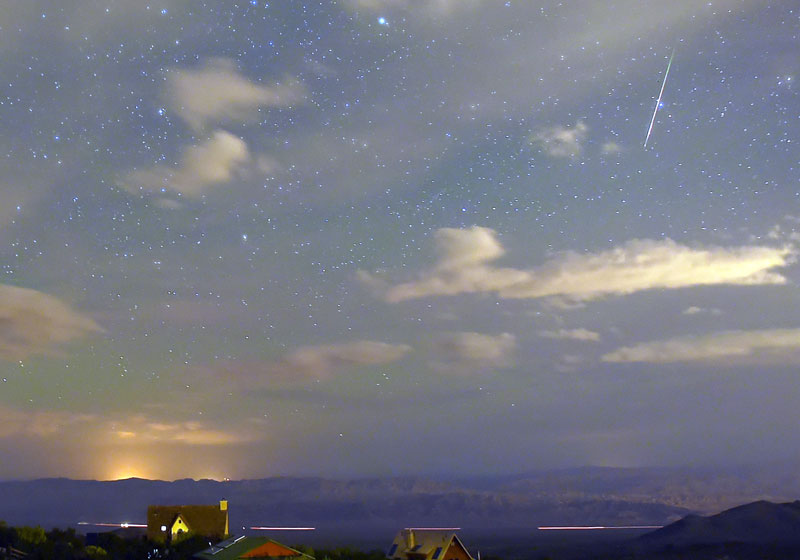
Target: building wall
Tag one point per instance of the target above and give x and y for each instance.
(179, 527)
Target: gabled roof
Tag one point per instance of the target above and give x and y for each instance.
(209, 521)
(250, 547)
(423, 543)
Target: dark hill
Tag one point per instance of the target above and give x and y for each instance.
(759, 522)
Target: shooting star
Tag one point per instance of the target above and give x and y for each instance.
(658, 101)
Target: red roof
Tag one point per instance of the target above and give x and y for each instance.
(271, 550)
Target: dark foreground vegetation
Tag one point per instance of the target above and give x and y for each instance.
(35, 543)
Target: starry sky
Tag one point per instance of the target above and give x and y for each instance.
(390, 237)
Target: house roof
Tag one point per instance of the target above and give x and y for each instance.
(423, 544)
(203, 520)
(249, 547)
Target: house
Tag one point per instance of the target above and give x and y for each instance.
(167, 523)
(427, 544)
(250, 548)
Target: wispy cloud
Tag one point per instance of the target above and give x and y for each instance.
(323, 360)
(470, 351)
(610, 147)
(695, 310)
(465, 266)
(304, 364)
(141, 429)
(39, 423)
(774, 342)
(572, 334)
(117, 430)
(201, 168)
(561, 141)
(33, 322)
(218, 92)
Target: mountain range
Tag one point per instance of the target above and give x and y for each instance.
(584, 496)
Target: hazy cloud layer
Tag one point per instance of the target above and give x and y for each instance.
(710, 347)
(33, 322)
(141, 429)
(134, 429)
(201, 168)
(217, 92)
(561, 141)
(571, 334)
(465, 257)
(39, 423)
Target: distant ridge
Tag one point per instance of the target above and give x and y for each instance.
(759, 522)
(582, 496)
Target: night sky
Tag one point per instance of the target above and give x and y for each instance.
(389, 237)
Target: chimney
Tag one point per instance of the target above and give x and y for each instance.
(410, 539)
(223, 505)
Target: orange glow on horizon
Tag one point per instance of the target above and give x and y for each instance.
(123, 472)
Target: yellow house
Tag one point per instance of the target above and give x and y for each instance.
(169, 523)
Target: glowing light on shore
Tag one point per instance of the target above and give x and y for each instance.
(283, 528)
(121, 525)
(596, 527)
(432, 529)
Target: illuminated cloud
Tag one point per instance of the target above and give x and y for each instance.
(39, 423)
(571, 334)
(610, 148)
(33, 322)
(772, 342)
(561, 141)
(137, 429)
(202, 167)
(218, 92)
(465, 257)
(140, 429)
(470, 351)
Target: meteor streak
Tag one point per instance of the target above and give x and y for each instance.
(658, 101)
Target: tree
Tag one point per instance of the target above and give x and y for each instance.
(30, 537)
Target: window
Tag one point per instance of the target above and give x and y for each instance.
(437, 553)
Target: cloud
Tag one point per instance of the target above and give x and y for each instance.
(710, 347)
(694, 310)
(610, 148)
(571, 334)
(321, 361)
(304, 363)
(561, 141)
(33, 322)
(140, 429)
(136, 429)
(465, 257)
(217, 92)
(39, 423)
(469, 351)
(201, 168)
